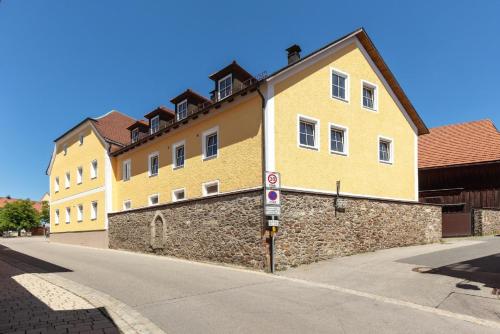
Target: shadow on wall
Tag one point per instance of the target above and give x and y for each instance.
(21, 311)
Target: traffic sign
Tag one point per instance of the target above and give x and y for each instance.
(273, 180)
(273, 197)
(272, 210)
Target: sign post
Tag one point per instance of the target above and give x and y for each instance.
(272, 208)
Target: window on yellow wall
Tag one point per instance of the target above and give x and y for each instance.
(126, 170)
(80, 213)
(93, 210)
(79, 175)
(127, 205)
(93, 169)
(154, 159)
(68, 215)
(56, 216)
(80, 139)
(385, 150)
(308, 132)
(153, 199)
(340, 85)
(67, 180)
(56, 184)
(369, 96)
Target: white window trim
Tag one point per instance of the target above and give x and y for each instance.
(79, 176)
(151, 124)
(177, 110)
(80, 139)
(129, 162)
(149, 163)
(230, 75)
(174, 149)
(346, 138)
(150, 197)
(93, 215)
(67, 180)
(317, 127)
(391, 150)
(375, 95)
(124, 206)
(347, 85)
(56, 216)
(79, 213)
(68, 215)
(205, 134)
(174, 199)
(56, 184)
(136, 130)
(93, 171)
(65, 149)
(207, 184)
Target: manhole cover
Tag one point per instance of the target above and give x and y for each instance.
(422, 269)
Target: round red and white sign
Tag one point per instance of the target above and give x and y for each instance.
(272, 178)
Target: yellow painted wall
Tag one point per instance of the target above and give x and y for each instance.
(78, 155)
(238, 165)
(309, 93)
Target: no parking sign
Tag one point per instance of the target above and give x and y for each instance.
(273, 197)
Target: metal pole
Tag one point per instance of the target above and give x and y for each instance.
(272, 250)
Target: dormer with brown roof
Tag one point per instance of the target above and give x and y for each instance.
(138, 130)
(160, 118)
(187, 103)
(229, 80)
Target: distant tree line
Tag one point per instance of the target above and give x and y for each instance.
(21, 215)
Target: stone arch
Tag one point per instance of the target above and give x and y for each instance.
(157, 229)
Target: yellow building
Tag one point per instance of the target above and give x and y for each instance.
(337, 114)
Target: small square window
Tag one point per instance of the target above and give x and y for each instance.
(155, 124)
(93, 210)
(153, 200)
(211, 188)
(338, 140)
(126, 171)
(153, 164)
(127, 205)
(385, 150)
(178, 195)
(308, 132)
(340, 85)
(182, 110)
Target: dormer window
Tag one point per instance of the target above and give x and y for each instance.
(135, 135)
(182, 110)
(155, 124)
(225, 86)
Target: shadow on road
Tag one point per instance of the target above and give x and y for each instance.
(23, 312)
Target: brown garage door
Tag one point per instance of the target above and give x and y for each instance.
(457, 224)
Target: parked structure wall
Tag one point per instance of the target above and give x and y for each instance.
(486, 221)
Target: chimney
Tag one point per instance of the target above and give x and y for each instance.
(293, 54)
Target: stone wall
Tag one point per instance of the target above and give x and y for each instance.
(229, 228)
(312, 230)
(486, 221)
(225, 228)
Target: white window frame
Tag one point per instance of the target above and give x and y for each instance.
(125, 205)
(93, 169)
(375, 95)
(317, 128)
(80, 139)
(56, 216)
(183, 102)
(205, 134)
(65, 149)
(391, 149)
(126, 163)
(347, 84)
(68, 215)
(150, 203)
(230, 75)
(56, 184)
(79, 213)
(93, 210)
(67, 180)
(345, 129)
(157, 117)
(79, 175)
(157, 154)
(208, 184)
(174, 154)
(175, 192)
(133, 137)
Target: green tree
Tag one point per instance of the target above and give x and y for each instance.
(45, 214)
(19, 215)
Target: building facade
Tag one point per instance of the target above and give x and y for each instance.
(337, 114)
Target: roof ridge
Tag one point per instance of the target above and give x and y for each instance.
(111, 112)
(463, 123)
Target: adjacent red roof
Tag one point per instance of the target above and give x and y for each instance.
(4, 200)
(113, 127)
(459, 144)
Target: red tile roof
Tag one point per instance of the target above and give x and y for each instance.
(4, 200)
(459, 144)
(113, 127)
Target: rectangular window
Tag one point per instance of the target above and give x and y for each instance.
(340, 85)
(385, 150)
(153, 164)
(57, 216)
(154, 199)
(338, 139)
(155, 124)
(225, 86)
(80, 213)
(65, 149)
(308, 132)
(68, 215)
(369, 95)
(210, 188)
(210, 142)
(178, 195)
(80, 139)
(67, 181)
(182, 110)
(79, 175)
(179, 155)
(93, 210)
(126, 170)
(127, 205)
(93, 169)
(135, 135)
(56, 184)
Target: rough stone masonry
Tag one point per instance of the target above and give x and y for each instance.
(230, 228)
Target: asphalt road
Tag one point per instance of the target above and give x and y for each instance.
(187, 297)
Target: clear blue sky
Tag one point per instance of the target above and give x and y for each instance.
(61, 61)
